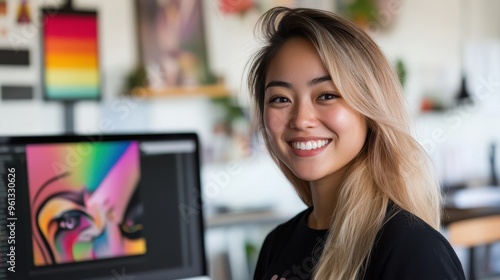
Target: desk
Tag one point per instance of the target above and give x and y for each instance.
(453, 214)
(470, 203)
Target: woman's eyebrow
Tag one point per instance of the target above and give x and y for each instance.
(49, 182)
(278, 84)
(311, 83)
(319, 80)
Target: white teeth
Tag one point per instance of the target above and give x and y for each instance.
(314, 145)
(310, 145)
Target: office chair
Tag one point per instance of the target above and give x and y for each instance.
(474, 232)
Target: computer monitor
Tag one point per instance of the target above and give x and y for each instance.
(101, 207)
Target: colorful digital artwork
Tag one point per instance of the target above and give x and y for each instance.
(85, 203)
(71, 56)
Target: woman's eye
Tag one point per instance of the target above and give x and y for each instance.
(69, 220)
(279, 99)
(328, 96)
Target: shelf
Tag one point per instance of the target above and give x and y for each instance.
(242, 219)
(216, 90)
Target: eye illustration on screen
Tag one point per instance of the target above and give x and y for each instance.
(90, 210)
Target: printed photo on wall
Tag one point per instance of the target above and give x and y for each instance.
(172, 43)
(70, 55)
(3, 18)
(23, 13)
(85, 202)
(3, 8)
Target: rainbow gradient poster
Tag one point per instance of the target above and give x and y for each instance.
(70, 56)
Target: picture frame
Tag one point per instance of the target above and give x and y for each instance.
(172, 47)
(70, 55)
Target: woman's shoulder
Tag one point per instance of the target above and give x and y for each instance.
(401, 224)
(406, 245)
(402, 227)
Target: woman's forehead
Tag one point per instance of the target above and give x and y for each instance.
(296, 60)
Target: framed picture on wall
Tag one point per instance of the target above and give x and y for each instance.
(70, 55)
(172, 43)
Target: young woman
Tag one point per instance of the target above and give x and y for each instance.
(334, 118)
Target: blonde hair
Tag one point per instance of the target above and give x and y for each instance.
(392, 166)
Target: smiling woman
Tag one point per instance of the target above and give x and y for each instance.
(335, 121)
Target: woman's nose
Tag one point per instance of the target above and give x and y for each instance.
(303, 117)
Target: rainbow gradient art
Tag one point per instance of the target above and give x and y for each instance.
(84, 201)
(71, 60)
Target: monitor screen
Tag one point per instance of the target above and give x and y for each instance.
(70, 54)
(101, 207)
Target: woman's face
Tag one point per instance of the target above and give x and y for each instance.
(310, 127)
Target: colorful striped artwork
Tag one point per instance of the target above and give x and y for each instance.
(71, 59)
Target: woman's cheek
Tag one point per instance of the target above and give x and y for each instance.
(274, 121)
(342, 119)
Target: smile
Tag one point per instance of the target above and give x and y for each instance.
(309, 145)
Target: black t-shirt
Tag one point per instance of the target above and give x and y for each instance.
(406, 248)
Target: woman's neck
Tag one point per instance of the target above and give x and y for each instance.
(324, 199)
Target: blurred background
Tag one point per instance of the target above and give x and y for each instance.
(179, 65)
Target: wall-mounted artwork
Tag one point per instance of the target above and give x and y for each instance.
(85, 202)
(70, 55)
(23, 14)
(14, 57)
(172, 43)
(3, 8)
(16, 92)
(3, 18)
(236, 7)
